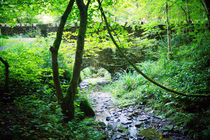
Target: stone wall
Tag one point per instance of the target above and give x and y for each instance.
(31, 29)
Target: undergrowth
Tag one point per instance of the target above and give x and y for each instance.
(187, 72)
(33, 111)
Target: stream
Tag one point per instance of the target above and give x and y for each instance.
(128, 123)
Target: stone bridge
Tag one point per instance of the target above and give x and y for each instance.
(107, 59)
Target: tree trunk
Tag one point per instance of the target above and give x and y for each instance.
(54, 51)
(68, 102)
(168, 33)
(206, 5)
(188, 13)
(6, 84)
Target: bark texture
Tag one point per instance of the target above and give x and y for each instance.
(54, 51)
(68, 102)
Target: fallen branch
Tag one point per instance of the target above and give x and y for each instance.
(136, 68)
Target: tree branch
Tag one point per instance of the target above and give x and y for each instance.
(88, 3)
(136, 68)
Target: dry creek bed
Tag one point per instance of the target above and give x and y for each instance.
(131, 122)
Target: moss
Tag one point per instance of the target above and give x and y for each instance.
(86, 108)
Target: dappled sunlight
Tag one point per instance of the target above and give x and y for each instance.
(96, 70)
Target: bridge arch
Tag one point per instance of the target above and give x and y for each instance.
(107, 59)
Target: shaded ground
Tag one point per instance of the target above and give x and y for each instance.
(131, 122)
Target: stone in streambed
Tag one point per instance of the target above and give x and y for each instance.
(129, 118)
(117, 135)
(165, 134)
(127, 122)
(108, 118)
(132, 114)
(143, 117)
(138, 124)
(86, 108)
(168, 128)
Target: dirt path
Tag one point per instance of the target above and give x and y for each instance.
(128, 123)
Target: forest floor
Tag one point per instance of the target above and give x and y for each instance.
(130, 122)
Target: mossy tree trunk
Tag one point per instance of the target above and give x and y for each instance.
(68, 101)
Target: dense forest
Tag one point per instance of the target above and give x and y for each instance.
(104, 69)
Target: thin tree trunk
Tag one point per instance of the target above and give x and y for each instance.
(54, 51)
(206, 5)
(188, 12)
(6, 84)
(168, 33)
(68, 102)
(186, 18)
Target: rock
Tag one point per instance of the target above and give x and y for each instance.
(123, 137)
(115, 114)
(132, 114)
(120, 130)
(125, 126)
(138, 124)
(109, 126)
(165, 134)
(140, 106)
(168, 127)
(102, 125)
(108, 118)
(129, 118)
(86, 108)
(117, 135)
(143, 117)
(155, 120)
(140, 137)
(130, 110)
(127, 122)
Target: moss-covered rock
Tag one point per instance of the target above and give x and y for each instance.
(86, 108)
